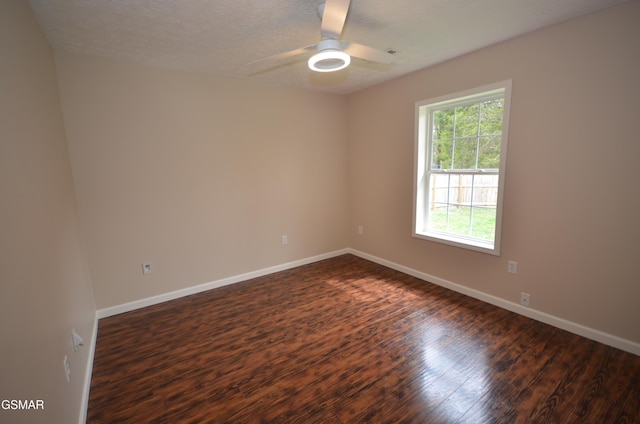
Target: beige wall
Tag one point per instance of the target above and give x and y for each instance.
(198, 175)
(44, 280)
(572, 196)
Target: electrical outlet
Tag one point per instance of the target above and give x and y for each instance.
(76, 339)
(512, 267)
(67, 368)
(360, 229)
(146, 268)
(285, 240)
(524, 299)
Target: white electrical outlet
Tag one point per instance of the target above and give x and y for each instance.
(67, 368)
(76, 339)
(524, 299)
(512, 267)
(360, 229)
(146, 268)
(285, 240)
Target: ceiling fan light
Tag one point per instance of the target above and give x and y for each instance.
(329, 61)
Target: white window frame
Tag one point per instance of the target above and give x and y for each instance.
(422, 172)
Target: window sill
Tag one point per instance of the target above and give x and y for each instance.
(461, 242)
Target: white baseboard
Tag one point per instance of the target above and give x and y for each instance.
(88, 371)
(126, 307)
(572, 327)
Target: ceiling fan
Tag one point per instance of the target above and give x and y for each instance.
(333, 54)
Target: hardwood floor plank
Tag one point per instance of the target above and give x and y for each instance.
(347, 341)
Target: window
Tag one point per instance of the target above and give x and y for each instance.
(461, 145)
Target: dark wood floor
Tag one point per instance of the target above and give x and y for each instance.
(348, 341)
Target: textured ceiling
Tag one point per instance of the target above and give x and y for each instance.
(224, 36)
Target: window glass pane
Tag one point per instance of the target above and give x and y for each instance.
(489, 152)
(464, 153)
(454, 188)
(441, 154)
(459, 220)
(439, 199)
(491, 117)
(466, 121)
(443, 124)
(438, 217)
(439, 188)
(463, 204)
(466, 188)
(485, 190)
(484, 223)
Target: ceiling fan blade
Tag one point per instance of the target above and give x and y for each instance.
(333, 18)
(285, 55)
(367, 53)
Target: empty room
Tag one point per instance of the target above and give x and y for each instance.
(309, 211)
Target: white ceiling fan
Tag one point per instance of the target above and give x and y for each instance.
(333, 54)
